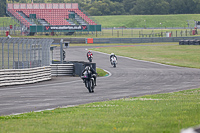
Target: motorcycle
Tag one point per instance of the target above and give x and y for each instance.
(89, 81)
(90, 57)
(113, 61)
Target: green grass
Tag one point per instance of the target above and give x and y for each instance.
(101, 72)
(178, 55)
(137, 21)
(6, 21)
(167, 113)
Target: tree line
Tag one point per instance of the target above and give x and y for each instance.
(123, 7)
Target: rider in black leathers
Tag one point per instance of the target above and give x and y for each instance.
(88, 68)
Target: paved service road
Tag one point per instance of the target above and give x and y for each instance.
(130, 78)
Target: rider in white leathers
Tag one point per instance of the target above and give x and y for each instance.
(111, 56)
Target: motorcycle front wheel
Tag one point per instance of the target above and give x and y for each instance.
(114, 65)
(90, 60)
(90, 86)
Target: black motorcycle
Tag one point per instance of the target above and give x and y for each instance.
(90, 58)
(89, 81)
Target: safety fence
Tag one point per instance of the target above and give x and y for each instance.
(141, 40)
(20, 53)
(96, 31)
(24, 76)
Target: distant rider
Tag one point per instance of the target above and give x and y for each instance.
(111, 56)
(94, 74)
(89, 54)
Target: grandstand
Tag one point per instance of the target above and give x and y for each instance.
(51, 16)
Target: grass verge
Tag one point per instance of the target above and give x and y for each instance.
(101, 72)
(158, 113)
(177, 55)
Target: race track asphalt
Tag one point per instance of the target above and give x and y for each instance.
(130, 78)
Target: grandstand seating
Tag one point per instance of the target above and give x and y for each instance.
(52, 16)
(83, 16)
(20, 18)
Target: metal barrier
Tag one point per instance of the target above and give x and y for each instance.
(24, 76)
(62, 69)
(141, 40)
(189, 42)
(20, 53)
(71, 68)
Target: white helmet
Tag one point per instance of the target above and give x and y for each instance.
(112, 54)
(87, 68)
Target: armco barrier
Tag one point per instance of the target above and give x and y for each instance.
(70, 68)
(62, 69)
(189, 42)
(24, 76)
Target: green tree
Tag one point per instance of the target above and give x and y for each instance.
(94, 11)
(177, 7)
(197, 6)
(2, 8)
(128, 5)
(120, 1)
(150, 7)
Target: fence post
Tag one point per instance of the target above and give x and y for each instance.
(132, 32)
(117, 33)
(139, 34)
(13, 54)
(3, 55)
(61, 51)
(122, 31)
(8, 52)
(112, 31)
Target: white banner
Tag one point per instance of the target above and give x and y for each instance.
(29, 6)
(74, 5)
(48, 6)
(16, 6)
(61, 6)
(36, 6)
(55, 6)
(10, 6)
(68, 6)
(23, 6)
(42, 6)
